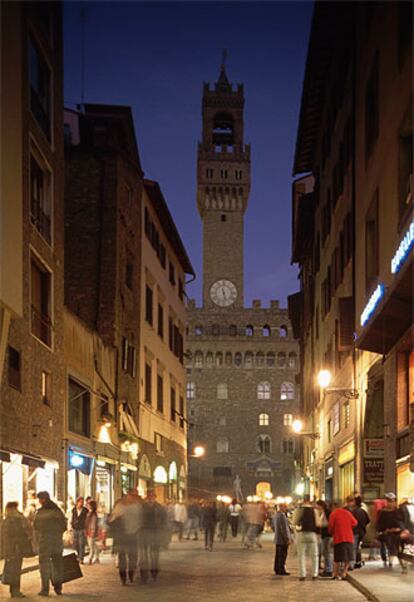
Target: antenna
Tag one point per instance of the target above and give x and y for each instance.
(82, 19)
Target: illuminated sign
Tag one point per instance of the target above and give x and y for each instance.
(403, 250)
(372, 304)
(76, 460)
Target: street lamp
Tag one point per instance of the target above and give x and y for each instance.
(198, 452)
(297, 428)
(324, 379)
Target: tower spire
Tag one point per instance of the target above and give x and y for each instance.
(222, 82)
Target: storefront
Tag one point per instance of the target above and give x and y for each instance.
(104, 484)
(23, 473)
(79, 476)
(144, 476)
(160, 479)
(346, 461)
(182, 484)
(405, 481)
(173, 481)
(128, 473)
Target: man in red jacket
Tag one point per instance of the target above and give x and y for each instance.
(341, 524)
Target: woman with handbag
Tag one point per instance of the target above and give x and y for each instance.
(16, 546)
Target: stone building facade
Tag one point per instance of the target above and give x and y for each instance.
(241, 362)
(32, 385)
(354, 313)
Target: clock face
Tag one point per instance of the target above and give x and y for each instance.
(223, 293)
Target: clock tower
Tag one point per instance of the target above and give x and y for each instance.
(223, 186)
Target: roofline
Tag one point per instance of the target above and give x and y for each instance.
(164, 215)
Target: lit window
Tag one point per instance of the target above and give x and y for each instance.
(198, 359)
(190, 390)
(198, 331)
(264, 420)
(266, 331)
(287, 419)
(249, 331)
(46, 387)
(292, 360)
(287, 391)
(263, 444)
(263, 390)
(222, 446)
(283, 331)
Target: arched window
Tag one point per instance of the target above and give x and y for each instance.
(248, 360)
(287, 419)
(270, 359)
(263, 390)
(281, 359)
(228, 358)
(266, 331)
(198, 359)
(222, 391)
(264, 444)
(288, 446)
(264, 420)
(215, 330)
(198, 330)
(249, 331)
(260, 359)
(209, 359)
(287, 391)
(219, 359)
(292, 359)
(188, 357)
(223, 126)
(283, 331)
(233, 330)
(222, 446)
(238, 359)
(191, 390)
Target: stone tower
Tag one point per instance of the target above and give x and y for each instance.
(223, 187)
(241, 361)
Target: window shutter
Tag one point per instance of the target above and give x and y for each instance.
(346, 323)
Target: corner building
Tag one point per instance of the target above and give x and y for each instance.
(241, 362)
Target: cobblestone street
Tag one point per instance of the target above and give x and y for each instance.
(189, 573)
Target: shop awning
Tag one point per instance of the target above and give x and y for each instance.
(394, 315)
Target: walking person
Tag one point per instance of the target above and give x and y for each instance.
(306, 521)
(124, 521)
(223, 515)
(193, 519)
(92, 532)
(326, 539)
(360, 529)
(180, 519)
(151, 535)
(15, 546)
(390, 524)
(283, 538)
(77, 526)
(209, 524)
(235, 510)
(341, 525)
(49, 525)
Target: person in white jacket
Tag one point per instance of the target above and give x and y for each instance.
(180, 519)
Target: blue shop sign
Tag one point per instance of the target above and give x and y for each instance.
(403, 250)
(372, 304)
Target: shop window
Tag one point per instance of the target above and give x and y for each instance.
(263, 390)
(173, 406)
(79, 406)
(270, 359)
(46, 393)
(287, 391)
(260, 359)
(14, 368)
(160, 321)
(148, 304)
(238, 359)
(148, 384)
(281, 359)
(222, 446)
(266, 331)
(372, 109)
(40, 78)
(264, 420)
(371, 245)
(40, 291)
(222, 391)
(249, 331)
(292, 361)
(40, 198)
(263, 444)
(160, 393)
(190, 390)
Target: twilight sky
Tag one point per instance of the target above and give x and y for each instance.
(154, 56)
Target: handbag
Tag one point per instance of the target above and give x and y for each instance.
(71, 568)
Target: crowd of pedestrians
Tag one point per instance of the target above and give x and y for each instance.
(328, 536)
